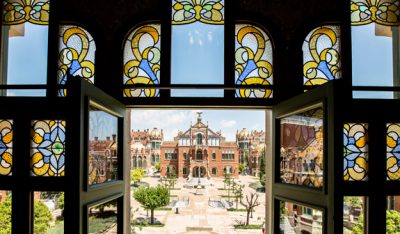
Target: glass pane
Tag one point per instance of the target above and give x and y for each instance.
(197, 50)
(26, 92)
(25, 37)
(142, 54)
(355, 158)
(302, 148)
(48, 212)
(197, 93)
(353, 215)
(5, 211)
(376, 95)
(103, 146)
(393, 215)
(103, 218)
(393, 151)
(76, 55)
(6, 146)
(253, 61)
(295, 218)
(321, 55)
(48, 148)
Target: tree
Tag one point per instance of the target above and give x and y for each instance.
(251, 202)
(241, 168)
(5, 216)
(42, 217)
(137, 174)
(152, 198)
(238, 192)
(359, 227)
(262, 167)
(157, 166)
(61, 201)
(227, 179)
(392, 221)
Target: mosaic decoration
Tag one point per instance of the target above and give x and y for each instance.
(384, 12)
(142, 60)
(204, 11)
(321, 55)
(21, 11)
(6, 141)
(76, 57)
(253, 61)
(48, 148)
(393, 151)
(355, 160)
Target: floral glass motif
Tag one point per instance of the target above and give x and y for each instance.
(142, 60)
(393, 151)
(21, 11)
(355, 160)
(253, 61)
(384, 12)
(205, 11)
(321, 55)
(6, 141)
(48, 148)
(76, 57)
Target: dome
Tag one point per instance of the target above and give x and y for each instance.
(155, 133)
(243, 133)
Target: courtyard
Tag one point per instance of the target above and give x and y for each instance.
(206, 210)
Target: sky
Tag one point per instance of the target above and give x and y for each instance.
(228, 121)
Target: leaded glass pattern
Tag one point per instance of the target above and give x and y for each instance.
(355, 151)
(205, 11)
(48, 148)
(6, 144)
(384, 12)
(21, 11)
(393, 151)
(253, 61)
(142, 55)
(321, 55)
(76, 55)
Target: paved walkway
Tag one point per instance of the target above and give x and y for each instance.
(198, 216)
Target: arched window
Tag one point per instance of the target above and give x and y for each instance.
(158, 158)
(184, 156)
(199, 139)
(142, 60)
(199, 155)
(153, 159)
(134, 162)
(214, 171)
(140, 162)
(184, 171)
(76, 55)
(144, 163)
(321, 55)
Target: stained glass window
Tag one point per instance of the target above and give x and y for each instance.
(189, 11)
(253, 61)
(142, 56)
(48, 148)
(321, 55)
(6, 145)
(393, 151)
(355, 160)
(76, 55)
(385, 12)
(25, 37)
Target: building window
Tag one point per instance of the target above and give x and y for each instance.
(153, 159)
(134, 162)
(199, 155)
(214, 171)
(228, 155)
(171, 155)
(184, 171)
(155, 145)
(199, 139)
(214, 155)
(184, 156)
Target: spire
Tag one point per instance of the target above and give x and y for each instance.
(199, 117)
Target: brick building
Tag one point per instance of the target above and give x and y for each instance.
(251, 147)
(145, 148)
(199, 152)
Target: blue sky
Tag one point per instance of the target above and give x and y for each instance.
(228, 121)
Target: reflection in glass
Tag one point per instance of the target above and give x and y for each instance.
(48, 212)
(5, 211)
(103, 147)
(295, 218)
(103, 218)
(393, 214)
(353, 214)
(301, 158)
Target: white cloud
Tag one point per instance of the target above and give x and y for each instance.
(209, 37)
(227, 123)
(191, 40)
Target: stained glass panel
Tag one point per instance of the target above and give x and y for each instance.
(21, 11)
(295, 217)
(190, 11)
(107, 215)
(385, 12)
(142, 54)
(253, 61)
(302, 148)
(393, 151)
(355, 151)
(76, 55)
(103, 146)
(321, 55)
(6, 145)
(48, 148)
